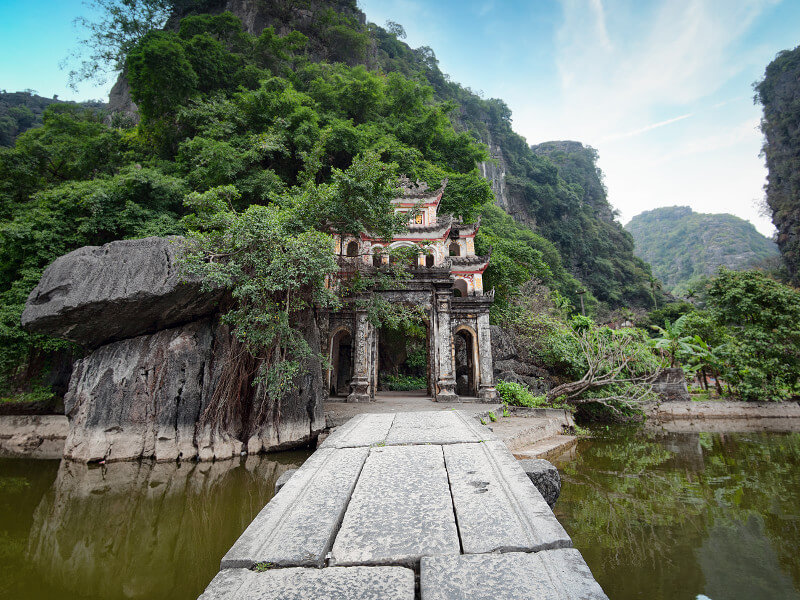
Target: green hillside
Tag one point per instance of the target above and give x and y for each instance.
(19, 111)
(268, 108)
(683, 246)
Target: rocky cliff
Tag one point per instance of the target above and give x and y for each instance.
(158, 354)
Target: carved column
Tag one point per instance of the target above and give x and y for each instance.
(486, 389)
(446, 384)
(363, 341)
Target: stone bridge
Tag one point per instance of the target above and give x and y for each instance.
(405, 506)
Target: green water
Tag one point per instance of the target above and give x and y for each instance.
(686, 516)
(126, 530)
(661, 517)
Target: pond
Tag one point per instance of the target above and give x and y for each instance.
(685, 516)
(661, 516)
(125, 530)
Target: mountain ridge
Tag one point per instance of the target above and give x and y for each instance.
(683, 246)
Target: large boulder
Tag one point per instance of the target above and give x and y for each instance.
(141, 397)
(98, 294)
(144, 397)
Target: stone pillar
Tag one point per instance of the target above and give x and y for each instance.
(361, 384)
(446, 383)
(486, 389)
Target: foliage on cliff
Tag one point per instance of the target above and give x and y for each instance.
(555, 199)
(684, 246)
(779, 93)
(224, 110)
(20, 111)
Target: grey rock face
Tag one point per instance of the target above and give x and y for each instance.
(510, 365)
(502, 345)
(544, 476)
(544, 575)
(123, 289)
(143, 397)
(140, 397)
(336, 583)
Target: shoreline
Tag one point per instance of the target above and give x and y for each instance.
(43, 436)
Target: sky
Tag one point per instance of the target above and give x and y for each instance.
(662, 89)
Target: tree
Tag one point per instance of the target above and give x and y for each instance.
(121, 24)
(617, 360)
(278, 263)
(763, 350)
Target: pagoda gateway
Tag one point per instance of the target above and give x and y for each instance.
(446, 283)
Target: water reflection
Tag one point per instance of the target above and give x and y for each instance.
(687, 515)
(138, 530)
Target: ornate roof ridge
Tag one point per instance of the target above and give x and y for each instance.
(419, 189)
(468, 260)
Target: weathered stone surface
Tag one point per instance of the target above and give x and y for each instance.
(445, 427)
(362, 430)
(143, 397)
(140, 397)
(503, 347)
(396, 429)
(546, 575)
(401, 510)
(123, 289)
(671, 385)
(298, 526)
(284, 479)
(336, 583)
(544, 476)
(497, 507)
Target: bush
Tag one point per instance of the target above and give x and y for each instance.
(516, 394)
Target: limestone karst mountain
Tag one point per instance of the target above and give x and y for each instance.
(554, 188)
(683, 246)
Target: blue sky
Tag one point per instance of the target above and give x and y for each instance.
(662, 89)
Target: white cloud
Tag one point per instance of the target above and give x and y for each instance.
(645, 129)
(621, 64)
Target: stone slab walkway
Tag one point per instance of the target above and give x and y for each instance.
(419, 505)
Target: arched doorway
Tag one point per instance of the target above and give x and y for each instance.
(466, 355)
(341, 358)
(352, 249)
(377, 256)
(454, 249)
(460, 289)
(404, 358)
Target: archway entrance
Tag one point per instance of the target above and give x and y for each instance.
(341, 358)
(403, 364)
(466, 355)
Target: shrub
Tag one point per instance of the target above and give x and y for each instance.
(517, 394)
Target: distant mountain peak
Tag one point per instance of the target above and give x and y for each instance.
(683, 246)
